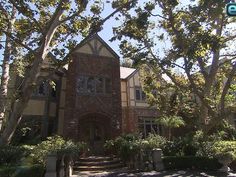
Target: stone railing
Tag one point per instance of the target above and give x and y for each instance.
(58, 166)
(149, 160)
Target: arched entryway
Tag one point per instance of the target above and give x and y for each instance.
(94, 129)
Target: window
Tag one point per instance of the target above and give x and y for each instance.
(54, 92)
(81, 84)
(41, 90)
(54, 88)
(139, 94)
(91, 85)
(98, 85)
(108, 85)
(147, 125)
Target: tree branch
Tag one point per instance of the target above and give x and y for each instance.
(226, 87)
(23, 12)
(14, 39)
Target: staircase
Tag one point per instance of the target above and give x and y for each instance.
(97, 164)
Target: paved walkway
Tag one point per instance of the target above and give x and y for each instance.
(155, 174)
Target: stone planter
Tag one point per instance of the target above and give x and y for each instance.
(157, 159)
(51, 165)
(225, 160)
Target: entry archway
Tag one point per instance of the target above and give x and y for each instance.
(94, 129)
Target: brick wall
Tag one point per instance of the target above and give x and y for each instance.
(78, 106)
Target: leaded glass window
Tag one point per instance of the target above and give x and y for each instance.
(91, 85)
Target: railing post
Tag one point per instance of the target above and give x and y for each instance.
(157, 160)
(51, 166)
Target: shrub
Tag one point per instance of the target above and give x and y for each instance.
(131, 145)
(22, 171)
(173, 148)
(222, 148)
(56, 145)
(155, 141)
(12, 154)
(190, 162)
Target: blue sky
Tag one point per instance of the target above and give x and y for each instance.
(107, 32)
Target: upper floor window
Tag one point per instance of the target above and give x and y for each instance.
(86, 84)
(91, 85)
(108, 85)
(140, 94)
(54, 89)
(46, 89)
(42, 89)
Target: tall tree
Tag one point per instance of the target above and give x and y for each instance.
(10, 17)
(201, 38)
(48, 29)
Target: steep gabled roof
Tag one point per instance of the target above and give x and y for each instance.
(126, 72)
(88, 39)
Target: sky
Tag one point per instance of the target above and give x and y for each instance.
(107, 31)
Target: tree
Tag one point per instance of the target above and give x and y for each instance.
(170, 122)
(45, 29)
(201, 37)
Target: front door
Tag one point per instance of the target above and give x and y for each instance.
(96, 137)
(94, 131)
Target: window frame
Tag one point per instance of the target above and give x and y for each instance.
(143, 122)
(96, 78)
(141, 93)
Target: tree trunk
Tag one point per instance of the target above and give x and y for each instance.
(169, 133)
(29, 82)
(5, 68)
(12, 122)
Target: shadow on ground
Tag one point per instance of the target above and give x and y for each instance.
(155, 174)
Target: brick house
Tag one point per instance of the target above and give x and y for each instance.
(93, 99)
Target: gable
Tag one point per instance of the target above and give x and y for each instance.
(96, 46)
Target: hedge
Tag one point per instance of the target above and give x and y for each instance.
(22, 171)
(190, 162)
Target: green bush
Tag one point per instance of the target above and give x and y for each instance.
(12, 154)
(222, 148)
(22, 171)
(129, 146)
(190, 162)
(52, 145)
(173, 148)
(154, 141)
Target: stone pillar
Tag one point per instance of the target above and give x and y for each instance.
(51, 166)
(157, 161)
(62, 168)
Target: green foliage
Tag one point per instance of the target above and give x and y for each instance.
(22, 171)
(226, 131)
(190, 162)
(28, 132)
(12, 154)
(128, 146)
(223, 148)
(171, 121)
(154, 141)
(173, 148)
(198, 60)
(54, 145)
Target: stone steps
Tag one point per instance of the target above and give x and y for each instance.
(97, 164)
